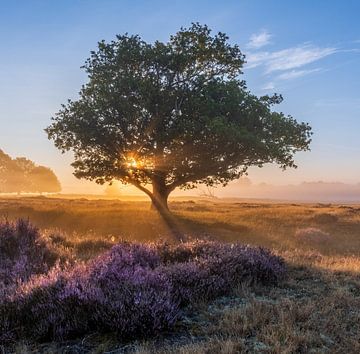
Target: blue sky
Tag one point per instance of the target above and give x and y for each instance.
(307, 50)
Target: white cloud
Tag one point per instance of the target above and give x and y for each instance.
(296, 57)
(256, 59)
(259, 40)
(294, 74)
(268, 86)
(287, 59)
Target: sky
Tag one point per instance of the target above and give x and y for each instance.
(309, 51)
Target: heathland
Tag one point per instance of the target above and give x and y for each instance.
(314, 308)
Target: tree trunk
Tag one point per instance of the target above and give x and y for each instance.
(159, 197)
(159, 200)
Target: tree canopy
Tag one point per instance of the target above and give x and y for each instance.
(172, 114)
(22, 175)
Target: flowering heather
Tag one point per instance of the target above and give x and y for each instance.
(204, 270)
(132, 289)
(23, 253)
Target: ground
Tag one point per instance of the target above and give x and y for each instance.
(315, 309)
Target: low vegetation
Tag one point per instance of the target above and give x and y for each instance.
(91, 225)
(197, 297)
(132, 289)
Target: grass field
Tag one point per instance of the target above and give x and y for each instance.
(315, 309)
(270, 225)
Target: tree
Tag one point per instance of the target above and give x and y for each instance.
(43, 179)
(11, 175)
(171, 115)
(22, 175)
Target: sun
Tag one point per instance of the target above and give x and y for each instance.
(132, 163)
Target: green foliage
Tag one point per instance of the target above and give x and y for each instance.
(172, 115)
(22, 175)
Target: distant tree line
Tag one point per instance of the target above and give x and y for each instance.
(22, 175)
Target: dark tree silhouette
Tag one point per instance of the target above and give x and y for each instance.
(22, 175)
(172, 114)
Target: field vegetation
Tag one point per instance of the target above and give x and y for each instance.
(274, 225)
(312, 306)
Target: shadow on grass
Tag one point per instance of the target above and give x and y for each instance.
(219, 230)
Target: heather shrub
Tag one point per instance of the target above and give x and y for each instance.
(24, 252)
(119, 291)
(204, 270)
(193, 281)
(184, 252)
(255, 262)
(132, 289)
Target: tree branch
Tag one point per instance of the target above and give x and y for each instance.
(142, 188)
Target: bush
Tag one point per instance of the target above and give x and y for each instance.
(312, 235)
(325, 218)
(132, 289)
(23, 253)
(204, 270)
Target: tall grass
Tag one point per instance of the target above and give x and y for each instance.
(261, 224)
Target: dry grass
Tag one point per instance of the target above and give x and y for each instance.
(269, 225)
(315, 310)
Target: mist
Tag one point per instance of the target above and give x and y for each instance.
(306, 191)
(316, 191)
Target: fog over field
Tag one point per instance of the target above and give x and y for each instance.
(244, 188)
(306, 191)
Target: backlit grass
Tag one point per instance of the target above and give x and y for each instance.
(314, 309)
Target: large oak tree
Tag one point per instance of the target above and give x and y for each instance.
(172, 114)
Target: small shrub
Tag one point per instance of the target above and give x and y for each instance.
(205, 270)
(312, 235)
(24, 252)
(119, 291)
(89, 248)
(59, 240)
(325, 218)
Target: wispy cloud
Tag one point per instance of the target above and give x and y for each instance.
(294, 74)
(288, 59)
(287, 75)
(268, 86)
(258, 40)
(254, 60)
